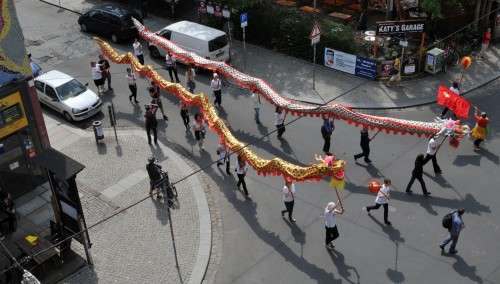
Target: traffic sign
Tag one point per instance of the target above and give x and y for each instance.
(315, 34)
(244, 20)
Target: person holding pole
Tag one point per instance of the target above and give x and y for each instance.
(216, 85)
(365, 145)
(479, 131)
(432, 149)
(288, 192)
(326, 132)
(279, 121)
(417, 173)
(256, 106)
(331, 230)
(382, 199)
(132, 85)
(223, 153)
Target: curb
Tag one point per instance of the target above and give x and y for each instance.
(205, 225)
(406, 106)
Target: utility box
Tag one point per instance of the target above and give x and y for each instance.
(434, 60)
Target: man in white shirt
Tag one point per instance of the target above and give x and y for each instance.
(138, 52)
(216, 86)
(97, 76)
(382, 199)
(170, 62)
(279, 121)
(432, 148)
(288, 193)
(332, 232)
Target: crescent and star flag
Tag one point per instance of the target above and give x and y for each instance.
(453, 101)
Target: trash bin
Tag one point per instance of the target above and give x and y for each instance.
(98, 132)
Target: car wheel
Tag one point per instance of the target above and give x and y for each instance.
(83, 28)
(114, 38)
(155, 53)
(67, 116)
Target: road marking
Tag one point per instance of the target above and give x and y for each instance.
(124, 184)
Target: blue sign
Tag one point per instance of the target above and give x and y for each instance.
(366, 68)
(244, 20)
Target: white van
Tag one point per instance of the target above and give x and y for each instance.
(205, 41)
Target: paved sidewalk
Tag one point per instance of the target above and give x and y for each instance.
(136, 245)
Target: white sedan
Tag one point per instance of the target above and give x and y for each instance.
(67, 96)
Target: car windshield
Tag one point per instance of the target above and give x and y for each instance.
(217, 43)
(70, 89)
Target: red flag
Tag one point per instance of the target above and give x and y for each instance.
(453, 101)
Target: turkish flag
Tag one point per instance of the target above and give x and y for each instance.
(453, 101)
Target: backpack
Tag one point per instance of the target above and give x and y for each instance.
(447, 220)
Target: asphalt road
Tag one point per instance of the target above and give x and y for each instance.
(260, 247)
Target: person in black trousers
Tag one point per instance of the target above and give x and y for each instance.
(151, 122)
(418, 173)
(241, 172)
(185, 115)
(288, 193)
(326, 131)
(365, 146)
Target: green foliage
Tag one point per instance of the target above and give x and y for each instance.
(432, 7)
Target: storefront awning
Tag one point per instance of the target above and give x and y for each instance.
(61, 165)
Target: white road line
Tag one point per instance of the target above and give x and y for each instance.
(124, 184)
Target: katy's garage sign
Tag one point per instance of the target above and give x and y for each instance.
(389, 28)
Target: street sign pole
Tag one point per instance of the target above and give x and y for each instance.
(314, 65)
(244, 24)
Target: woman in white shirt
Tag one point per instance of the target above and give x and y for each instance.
(382, 199)
(216, 85)
(279, 121)
(132, 85)
(241, 172)
(288, 193)
(332, 233)
(190, 73)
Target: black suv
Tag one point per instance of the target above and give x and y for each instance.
(110, 20)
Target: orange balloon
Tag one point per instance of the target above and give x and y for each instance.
(374, 186)
(466, 62)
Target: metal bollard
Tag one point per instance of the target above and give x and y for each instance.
(98, 132)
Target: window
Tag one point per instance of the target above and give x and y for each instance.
(70, 89)
(114, 20)
(166, 34)
(100, 17)
(50, 92)
(39, 86)
(217, 43)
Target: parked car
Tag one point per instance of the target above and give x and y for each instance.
(67, 95)
(111, 21)
(205, 41)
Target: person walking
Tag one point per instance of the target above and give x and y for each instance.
(288, 193)
(480, 130)
(185, 115)
(485, 43)
(154, 92)
(256, 106)
(326, 132)
(216, 85)
(138, 51)
(132, 85)
(151, 122)
(223, 153)
(105, 68)
(199, 129)
(395, 73)
(36, 70)
(332, 232)
(241, 172)
(432, 148)
(365, 146)
(279, 121)
(456, 89)
(170, 62)
(456, 226)
(190, 74)
(417, 173)
(382, 199)
(154, 173)
(97, 76)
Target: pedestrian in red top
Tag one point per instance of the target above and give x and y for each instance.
(486, 42)
(479, 131)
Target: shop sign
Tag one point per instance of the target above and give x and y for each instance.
(341, 61)
(12, 115)
(393, 27)
(366, 68)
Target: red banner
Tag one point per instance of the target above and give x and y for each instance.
(453, 101)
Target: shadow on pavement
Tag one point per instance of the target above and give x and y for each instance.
(373, 171)
(464, 269)
(343, 269)
(393, 233)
